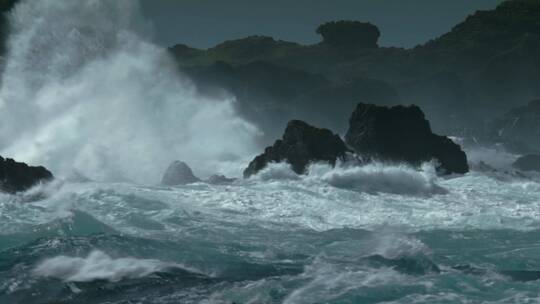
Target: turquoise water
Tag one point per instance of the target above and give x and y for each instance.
(336, 236)
(83, 90)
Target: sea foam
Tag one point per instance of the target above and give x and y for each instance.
(100, 266)
(84, 90)
(371, 178)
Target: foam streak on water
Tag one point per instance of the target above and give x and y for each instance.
(273, 239)
(98, 266)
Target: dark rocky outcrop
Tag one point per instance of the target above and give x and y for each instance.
(300, 145)
(528, 163)
(178, 173)
(402, 134)
(17, 177)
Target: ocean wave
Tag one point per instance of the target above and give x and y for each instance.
(108, 66)
(100, 266)
(391, 245)
(379, 177)
(336, 284)
(371, 178)
(276, 171)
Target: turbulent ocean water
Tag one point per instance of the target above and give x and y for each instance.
(374, 234)
(85, 94)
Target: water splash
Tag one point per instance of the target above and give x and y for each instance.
(100, 266)
(83, 91)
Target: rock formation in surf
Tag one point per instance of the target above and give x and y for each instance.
(301, 144)
(178, 173)
(17, 177)
(402, 134)
(529, 162)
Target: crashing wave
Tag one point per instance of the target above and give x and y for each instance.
(100, 266)
(379, 177)
(84, 91)
(372, 178)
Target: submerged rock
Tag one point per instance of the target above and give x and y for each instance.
(178, 173)
(301, 144)
(402, 134)
(17, 177)
(528, 163)
(217, 179)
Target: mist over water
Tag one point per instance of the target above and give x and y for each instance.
(84, 91)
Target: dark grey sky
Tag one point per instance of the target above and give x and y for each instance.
(204, 23)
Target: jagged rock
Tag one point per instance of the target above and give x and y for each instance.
(217, 179)
(528, 163)
(178, 173)
(301, 144)
(17, 177)
(402, 134)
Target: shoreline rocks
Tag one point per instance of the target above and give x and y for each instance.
(402, 134)
(395, 134)
(178, 173)
(301, 144)
(18, 177)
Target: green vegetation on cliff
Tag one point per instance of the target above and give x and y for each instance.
(484, 66)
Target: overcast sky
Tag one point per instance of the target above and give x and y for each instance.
(205, 23)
